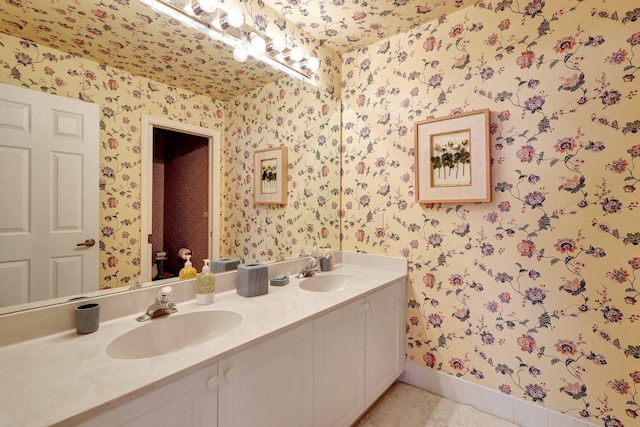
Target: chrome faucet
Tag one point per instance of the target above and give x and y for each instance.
(161, 306)
(309, 269)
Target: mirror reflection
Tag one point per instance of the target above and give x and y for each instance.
(278, 111)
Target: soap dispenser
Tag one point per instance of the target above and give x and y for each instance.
(205, 285)
(188, 272)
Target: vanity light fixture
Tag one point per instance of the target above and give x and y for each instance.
(228, 26)
(200, 7)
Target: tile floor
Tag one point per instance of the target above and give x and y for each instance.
(406, 406)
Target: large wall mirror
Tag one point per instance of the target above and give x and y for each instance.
(132, 63)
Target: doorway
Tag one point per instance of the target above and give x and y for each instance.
(180, 196)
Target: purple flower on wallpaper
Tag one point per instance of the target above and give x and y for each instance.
(435, 320)
(435, 239)
(487, 338)
(435, 80)
(487, 73)
(536, 392)
(534, 371)
(534, 103)
(505, 297)
(536, 295)
(504, 388)
(565, 144)
(492, 306)
(534, 199)
(487, 249)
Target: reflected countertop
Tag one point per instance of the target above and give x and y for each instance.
(66, 378)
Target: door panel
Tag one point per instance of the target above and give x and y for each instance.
(48, 195)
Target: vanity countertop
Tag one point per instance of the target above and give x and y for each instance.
(66, 378)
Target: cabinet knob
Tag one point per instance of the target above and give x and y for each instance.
(366, 306)
(230, 375)
(212, 384)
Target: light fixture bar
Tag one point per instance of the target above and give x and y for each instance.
(225, 37)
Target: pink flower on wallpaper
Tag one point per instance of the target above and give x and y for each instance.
(429, 44)
(617, 57)
(619, 386)
(456, 280)
(527, 343)
(526, 154)
(429, 360)
(429, 280)
(525, 60)
(456, 364)
(619, 275)
(526, 248)
(618, 166)
(566, 347)
(566, 43)
(566, 245)
(359, 16)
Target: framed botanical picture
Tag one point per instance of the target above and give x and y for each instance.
(453, 158)
(270, 170)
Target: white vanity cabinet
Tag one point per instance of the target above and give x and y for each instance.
(359, 353)
(191, 401)
(324, 372)
(269, 384)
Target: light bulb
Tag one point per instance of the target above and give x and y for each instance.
(235, 18)
(240, 54)
(313, 63)
(279, 43)
(257, 43)
(208, 5)
(296, 54)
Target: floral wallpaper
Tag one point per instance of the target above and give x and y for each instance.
(535, 294)
(128, 35)
(123, 99)
(307, 121)
(348, 25)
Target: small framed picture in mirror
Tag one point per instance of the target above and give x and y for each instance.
(270, 170)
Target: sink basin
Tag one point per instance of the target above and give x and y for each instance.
(171, 333)
(329, 282)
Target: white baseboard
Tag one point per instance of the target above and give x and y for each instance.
(518, 411)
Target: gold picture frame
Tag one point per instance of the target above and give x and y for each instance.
(270, 176)
(453, 158)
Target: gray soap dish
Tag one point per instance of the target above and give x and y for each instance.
(279, 280)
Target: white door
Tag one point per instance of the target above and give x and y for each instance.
(48, 196)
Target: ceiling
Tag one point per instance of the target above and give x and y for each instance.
(127, 34)
(346, 25)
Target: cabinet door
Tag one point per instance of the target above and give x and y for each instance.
(269, 384)
(188, 402)
(339, 369)
(385, 338)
